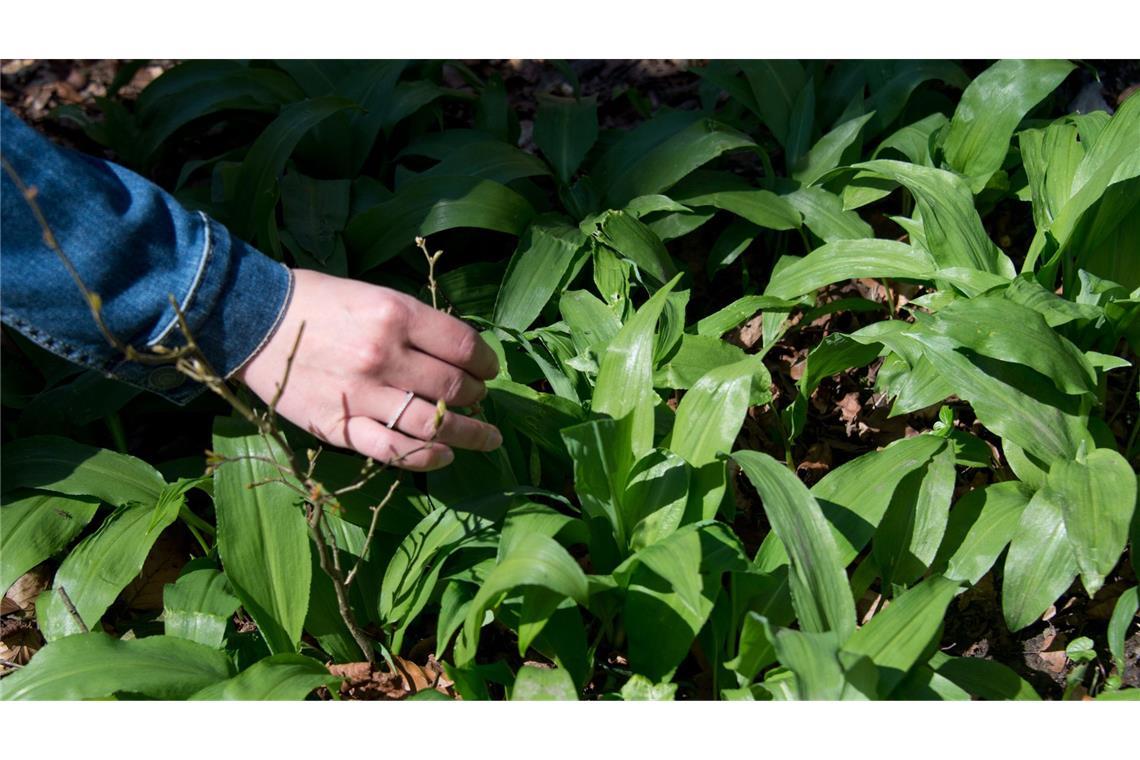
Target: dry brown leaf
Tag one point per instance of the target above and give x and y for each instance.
(21, 597)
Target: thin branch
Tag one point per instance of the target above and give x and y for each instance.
(371, 532)
(71, 609)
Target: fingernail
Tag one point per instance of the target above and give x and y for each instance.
(446, 457)
(494, 439)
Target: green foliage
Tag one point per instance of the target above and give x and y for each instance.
(597, 554)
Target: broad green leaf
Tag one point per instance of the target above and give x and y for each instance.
(94, 665)
(539, 416)
(737, 312)
(277, 678)
(850, 259)
(818, 583)
(565, 130)
(981, 525)
(35, 526)
(101, 566)
(655, 497)
(492, 159)
(1040, 563)
(827, 153)
(591, 322)
(50, 463)
(775, 86)
(824, 215)
(735, 239)
(315, 212)
(990, 110)
(855, 496)
(534, 560)
(543, 685)
(696, 356)
(625, 373)
(263, 538)
(727, 191)
(915, 521)
(1097, 496)
(890, 98)
(913, 140)
(257, 189)
(640, 689)
(602, 462)
(1050, 156)
(1009, 332)
(671, 590)
(954, 233)
(984, 678)
(1009, 399)
(819, 666)
(834, 354)
(711, 412)
(1025, 290)
(632, 240)
(544, 256)
(195, 89)
(1123, 616)
(665, 162)
(199, 604)
(414, 570)
(896, 638)
(433, 204)
(801, 122)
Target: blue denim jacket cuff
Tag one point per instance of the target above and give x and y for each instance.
(234, 306)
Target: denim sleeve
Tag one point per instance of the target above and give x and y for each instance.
(134, 246)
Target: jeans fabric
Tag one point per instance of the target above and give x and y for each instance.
(135, 247)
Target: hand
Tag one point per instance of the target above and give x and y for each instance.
(364, 347)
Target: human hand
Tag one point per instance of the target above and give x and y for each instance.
(363, 348)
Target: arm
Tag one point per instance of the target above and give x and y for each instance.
(364, 346)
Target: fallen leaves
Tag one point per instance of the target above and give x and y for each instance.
(361, 682)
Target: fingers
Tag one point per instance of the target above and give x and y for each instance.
(452, 341)
(372, 439)
(431, 378)
(418, 421)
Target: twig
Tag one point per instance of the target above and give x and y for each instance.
(10, 664)
(371, 532)
(71, 609)
(432, 258)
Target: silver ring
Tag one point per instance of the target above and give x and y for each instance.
(396, 417)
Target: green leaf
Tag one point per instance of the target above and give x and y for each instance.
(889, 99)
(543, 685)
(981, 525)
(850, 259)
(534, 560)
(263, 538)
(824, 215)
(775, 86)
(1040, 564)
(428, 205)
(735, 239)
(729, 192)
(672, 587)
(199, 604)
(539, 416)
(985, 678)
(1097, 496)
(954, 232)
(602, 463)
(94, 665)
(51, 463)
(640, 689)
(101, 566)
(564, 130)
(990, 110)
(257, 187)
(315, 212)
(1123, 616)
(277, 678)
(491, 159)
(818, 583)
(37, 526)
(739, 311)
(632, 240)
(827, 153)
(625, 373)
(711, 413)
(915, 521)
(539, 265)
(896, 638)
(699, 354)
(913, 140)
(645, 166)
(1009, 332)
(819, 667)
(415, 567)
(655, 496)
(1050, 156)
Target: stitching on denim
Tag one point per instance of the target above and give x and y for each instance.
(272, 330)
(48, 343)
(207, 253)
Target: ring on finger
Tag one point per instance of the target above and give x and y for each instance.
(408, 396)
